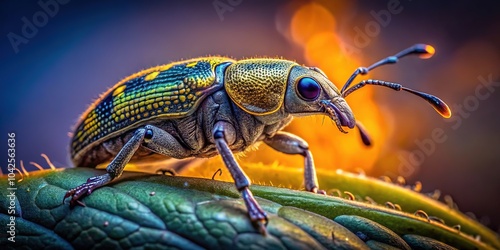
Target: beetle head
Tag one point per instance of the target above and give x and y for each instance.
(310, 92)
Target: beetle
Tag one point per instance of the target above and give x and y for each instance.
(216, 105)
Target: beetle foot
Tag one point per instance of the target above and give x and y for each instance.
(261, 226)
(318, 191)
(166, 172)
(256, 213)
(85, 189)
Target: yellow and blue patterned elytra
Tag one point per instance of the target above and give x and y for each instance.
(170, 90)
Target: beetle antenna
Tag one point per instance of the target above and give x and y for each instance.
(365, 138)
(440, 106)
(423, 50)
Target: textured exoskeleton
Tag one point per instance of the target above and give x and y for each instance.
(214, 105)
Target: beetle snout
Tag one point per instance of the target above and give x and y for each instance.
(339, 111)
(344, 114)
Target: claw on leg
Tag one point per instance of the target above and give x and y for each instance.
(256, 213)
(317, 191)
(261, 226)
(85, 189)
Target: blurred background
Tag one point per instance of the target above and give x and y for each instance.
(58, 56)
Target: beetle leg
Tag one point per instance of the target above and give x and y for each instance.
(149, 136)
(222, 133)
(114, 169)
(291, 144)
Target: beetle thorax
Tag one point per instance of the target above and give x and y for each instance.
(258, 86)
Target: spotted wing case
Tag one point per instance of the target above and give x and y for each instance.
(166, 91)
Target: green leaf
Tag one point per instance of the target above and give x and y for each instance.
(154, 211)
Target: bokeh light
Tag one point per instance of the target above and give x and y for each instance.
(313, 28)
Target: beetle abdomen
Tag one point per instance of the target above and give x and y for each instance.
(167, 91)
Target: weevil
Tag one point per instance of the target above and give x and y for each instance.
(216, 105)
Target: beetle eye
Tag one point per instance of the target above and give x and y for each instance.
(308, 88)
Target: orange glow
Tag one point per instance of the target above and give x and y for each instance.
(313, 27)
(444, 110)
(322, 48)
(430, 52)
(309, 20)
